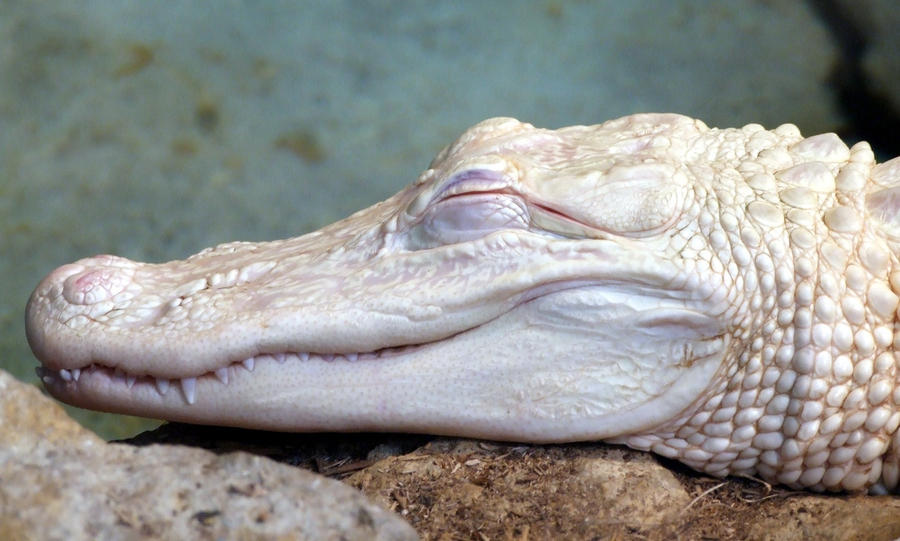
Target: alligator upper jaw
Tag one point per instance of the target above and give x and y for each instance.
(161, 325)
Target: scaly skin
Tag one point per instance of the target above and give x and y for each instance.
(724, 297)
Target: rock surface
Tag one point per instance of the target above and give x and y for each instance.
(60, 481)
(452, 489)
(464, 489)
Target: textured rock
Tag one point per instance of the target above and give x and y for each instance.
(465, 489)
(552, 492)
(60, 481)
(453, 489)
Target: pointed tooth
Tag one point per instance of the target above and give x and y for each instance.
(76, 373)
(46, 375)
(249, 363)
(328, 357)
(118, 376)
(280, 357)
(222, 374)
(65, 375)
(189, 389)
(162, 385)
(351, 356)
(303, 356)
(129, 380)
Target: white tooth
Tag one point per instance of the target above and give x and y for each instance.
(162, 385)
(65, 375)
(351, 356)
(129, 380)
(222, 374)
(280, 357)
(189, 388)
(76, 373)
(46, 375)
(304, 356)
(249, 363)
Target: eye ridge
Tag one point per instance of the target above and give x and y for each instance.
(472, 181)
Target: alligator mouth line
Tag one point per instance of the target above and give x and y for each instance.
(70, 377)
(223, 375)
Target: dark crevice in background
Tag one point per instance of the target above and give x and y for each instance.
(870, 115)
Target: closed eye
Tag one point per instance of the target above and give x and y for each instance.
(466, 217)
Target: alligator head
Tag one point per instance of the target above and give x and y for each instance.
(530, 285)
(712, 295)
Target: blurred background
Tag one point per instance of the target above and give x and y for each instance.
(152, 130)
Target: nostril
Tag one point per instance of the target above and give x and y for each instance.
(95, 285)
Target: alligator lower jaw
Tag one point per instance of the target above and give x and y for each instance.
(69, 379)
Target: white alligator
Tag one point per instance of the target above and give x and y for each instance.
(724, 297)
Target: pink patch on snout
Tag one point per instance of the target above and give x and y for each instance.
(96, 284)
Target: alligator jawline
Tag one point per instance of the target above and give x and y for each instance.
(223, 375)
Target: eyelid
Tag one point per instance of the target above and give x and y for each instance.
(472, 180)
(484, 177)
